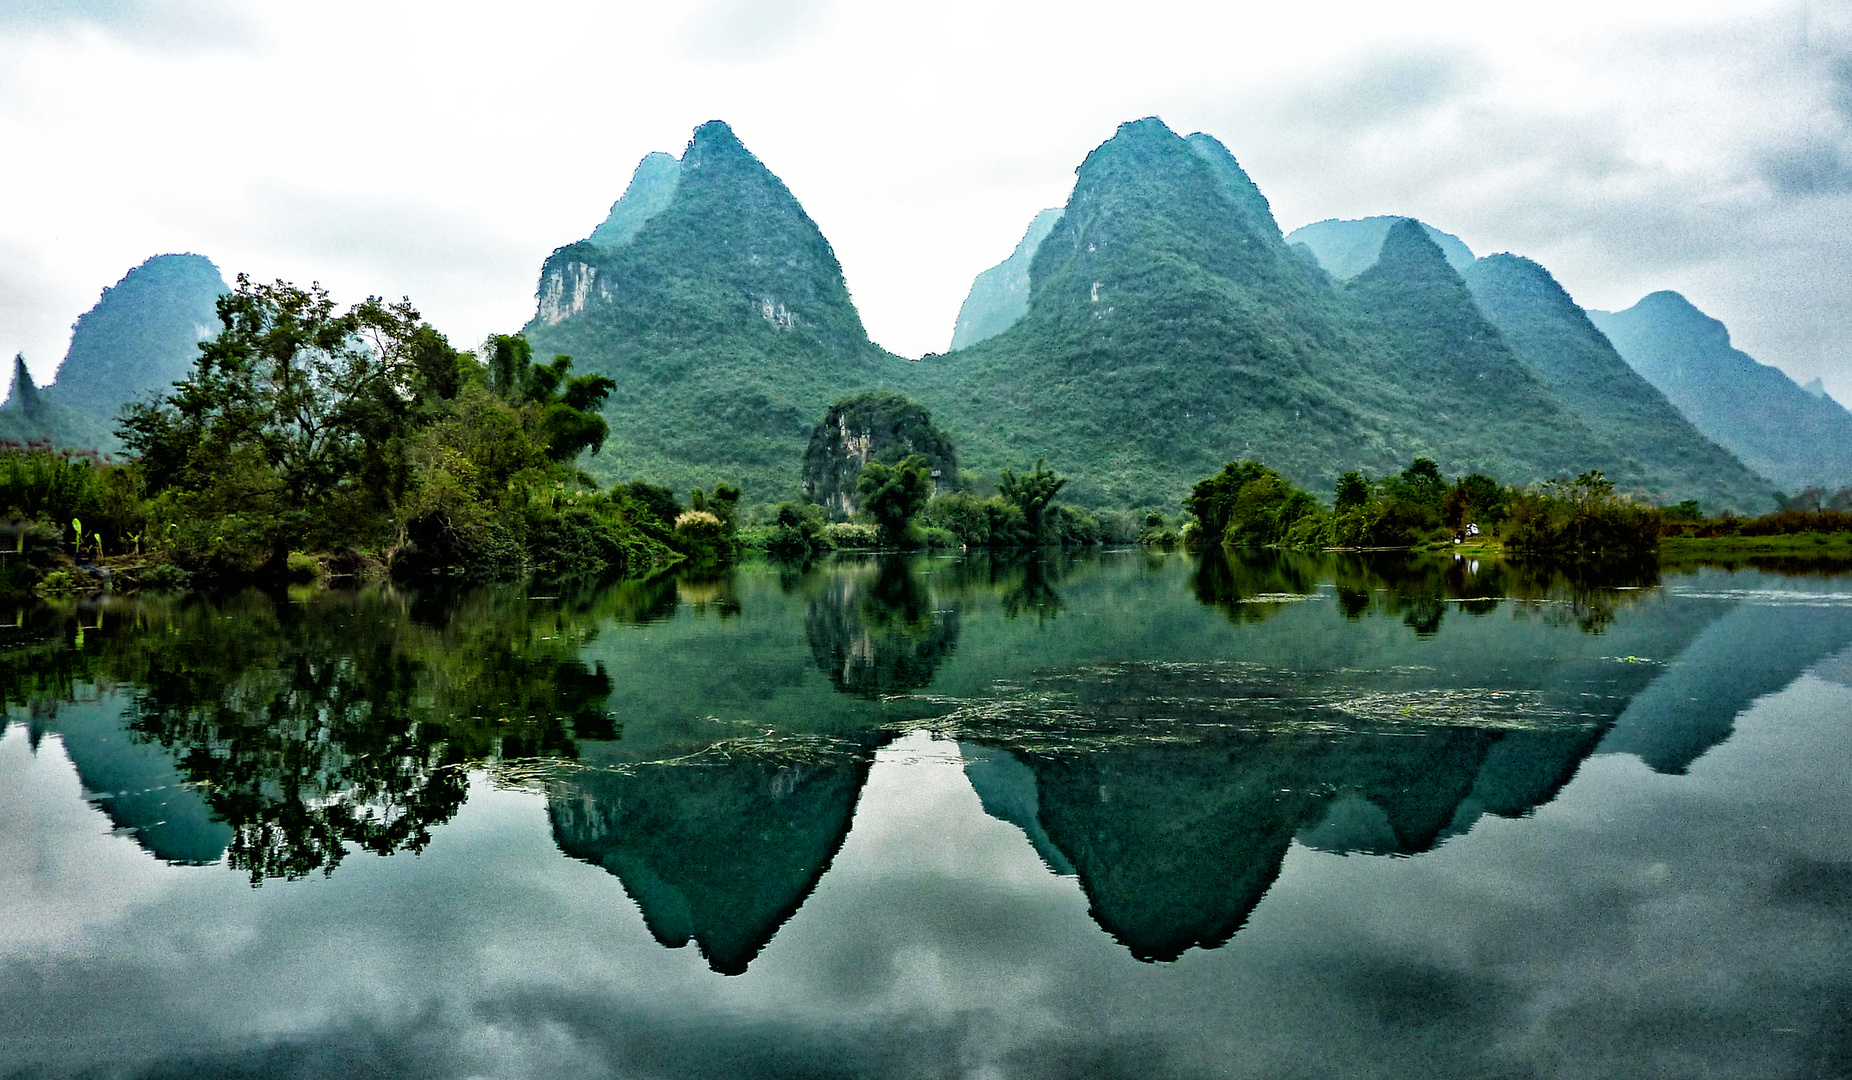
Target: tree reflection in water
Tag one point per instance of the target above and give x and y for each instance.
(876, 630)
(342, 719)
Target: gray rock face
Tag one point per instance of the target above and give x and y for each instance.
(871, 427)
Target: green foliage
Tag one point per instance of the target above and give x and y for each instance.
(892, 495)
(1247, 504)
(708, 532)
(362, 437)
(796, 531)
(1032, 493)
(1582, 517)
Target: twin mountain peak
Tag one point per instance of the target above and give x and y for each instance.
(1155, 326)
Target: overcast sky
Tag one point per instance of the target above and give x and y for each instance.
(441, 150)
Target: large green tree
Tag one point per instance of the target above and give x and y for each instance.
(895, 493)
(1031, 493)
(293, 422)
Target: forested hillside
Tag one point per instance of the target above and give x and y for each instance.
(719, 311)
(1665, 454)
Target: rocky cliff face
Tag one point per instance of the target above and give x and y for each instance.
(871, 427)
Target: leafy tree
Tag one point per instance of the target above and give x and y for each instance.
(1247, 504)
(1353, 490)
(1031, 493)
(568, 403)
(893, 494)
(1474, 499)
(294, 418)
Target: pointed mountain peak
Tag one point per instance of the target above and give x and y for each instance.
(1408, 251)
(1674, 311)
(1521, 280)
(1346, 248)
(651, 187)
(23, 397)
(1236, 184)
(1817, 387)
(712, 141)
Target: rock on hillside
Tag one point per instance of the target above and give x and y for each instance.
(879, 427)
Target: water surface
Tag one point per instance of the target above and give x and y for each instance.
(1114, 814)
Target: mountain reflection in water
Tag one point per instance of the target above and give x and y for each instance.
(706, 740)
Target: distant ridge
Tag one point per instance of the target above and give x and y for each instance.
(1665, 454)
(1000, 295)
(140, 338)
(1797, 436)
(1346, 248)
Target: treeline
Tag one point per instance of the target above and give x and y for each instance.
(312, 441)
(897, 508)
(1248, 504)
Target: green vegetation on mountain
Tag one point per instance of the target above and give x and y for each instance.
(1793, 436)
(720, 314)
(1000, 295)
(1498, 416)
(1665, 455)
(1171, 327)
(1346, 248)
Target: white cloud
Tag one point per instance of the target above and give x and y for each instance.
(442, 150)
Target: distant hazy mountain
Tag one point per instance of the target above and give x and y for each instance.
(712, 300)
(31, 414)
(1000, 295)
(141, 337)
(1346, 248)
(1664, 453)
(1794, 435)
(1817, 387)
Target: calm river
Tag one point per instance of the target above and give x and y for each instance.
(1116, 814)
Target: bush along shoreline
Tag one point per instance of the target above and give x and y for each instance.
(1248, 504)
